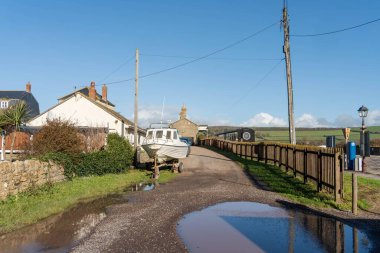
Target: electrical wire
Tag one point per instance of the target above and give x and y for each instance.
(258, 83)
(117, 69)
(212, 58)
(336, 31)
(196, 59)
(212, 53)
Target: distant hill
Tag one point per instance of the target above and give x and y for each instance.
(314, 136)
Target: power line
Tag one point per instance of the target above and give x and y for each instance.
(336, 31)
(199, 58)
(258, 83)
(117, 69)
(212, 53)
(212, 58)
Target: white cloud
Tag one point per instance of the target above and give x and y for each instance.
(265, 120)
(373, 118)
(346, 121)
(308, 120)
(152, 114)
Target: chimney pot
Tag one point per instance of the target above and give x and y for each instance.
(28, 87)
(104, 92)
(92, 91)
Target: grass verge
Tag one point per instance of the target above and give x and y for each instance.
(286, 184)
(29, 207)
(368, 192)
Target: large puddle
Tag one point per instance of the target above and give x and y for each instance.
(255, 227)
(59, 233)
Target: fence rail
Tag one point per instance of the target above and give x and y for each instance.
(323, 167)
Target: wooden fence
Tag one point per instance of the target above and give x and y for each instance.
(322, 166)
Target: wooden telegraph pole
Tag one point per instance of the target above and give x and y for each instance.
(136, 100)
(286, 49)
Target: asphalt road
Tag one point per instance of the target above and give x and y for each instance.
(147, 223)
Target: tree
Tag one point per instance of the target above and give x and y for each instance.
(3, 125)
(14, 117)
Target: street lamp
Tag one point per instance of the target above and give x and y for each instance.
(363, 112)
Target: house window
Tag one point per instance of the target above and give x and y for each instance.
(4, 104)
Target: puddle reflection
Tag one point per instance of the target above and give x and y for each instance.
(255, 227)
(143, 187)
(61, 232)
(58, 233)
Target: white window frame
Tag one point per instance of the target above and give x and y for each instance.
(3, 104)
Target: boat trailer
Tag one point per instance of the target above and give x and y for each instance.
(176, 166)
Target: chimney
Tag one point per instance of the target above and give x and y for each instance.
(92, 91)
(183, 113)
(104, 92)
(28, 87)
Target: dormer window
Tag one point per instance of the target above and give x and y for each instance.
(3, 104)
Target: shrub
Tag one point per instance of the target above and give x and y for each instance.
(116, 158)
(57, 136)
(120, 151)
(62, 159)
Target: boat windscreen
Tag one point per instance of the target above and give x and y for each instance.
(149, 135)
(159, 134)
(168, 135)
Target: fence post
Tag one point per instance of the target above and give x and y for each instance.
(251, 151)
(354, 194)
(294, 161)
(337, 189)
(319, 166)
(281, 163)
(266, 153)
(275, 155)
(305, 166)
(342, 161)
(287, 158)
(259, 151)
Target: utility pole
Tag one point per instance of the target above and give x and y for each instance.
(136, 100)
(286, 49)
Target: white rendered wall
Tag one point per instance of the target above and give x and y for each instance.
(82, 112)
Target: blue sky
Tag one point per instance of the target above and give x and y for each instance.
(57, 45)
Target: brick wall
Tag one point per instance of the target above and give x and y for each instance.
(16, 177)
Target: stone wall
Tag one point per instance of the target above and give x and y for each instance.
(16, 177)
(186, 128)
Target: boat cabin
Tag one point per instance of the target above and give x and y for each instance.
(164, 134)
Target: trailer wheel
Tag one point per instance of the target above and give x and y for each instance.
(180, 167)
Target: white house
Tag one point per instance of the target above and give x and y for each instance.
(87, 108)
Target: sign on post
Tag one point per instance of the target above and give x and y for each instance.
(346, 133)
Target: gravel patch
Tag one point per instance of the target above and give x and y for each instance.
(147, 223)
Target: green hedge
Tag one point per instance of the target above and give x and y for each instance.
(116, 158)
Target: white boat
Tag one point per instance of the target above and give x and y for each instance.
(164, 145)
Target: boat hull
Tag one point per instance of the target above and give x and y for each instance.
(165, 152)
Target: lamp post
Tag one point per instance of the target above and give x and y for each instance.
(363, 112)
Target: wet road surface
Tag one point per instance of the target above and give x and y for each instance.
(148, 221)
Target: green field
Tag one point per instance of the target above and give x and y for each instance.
(304, 135)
